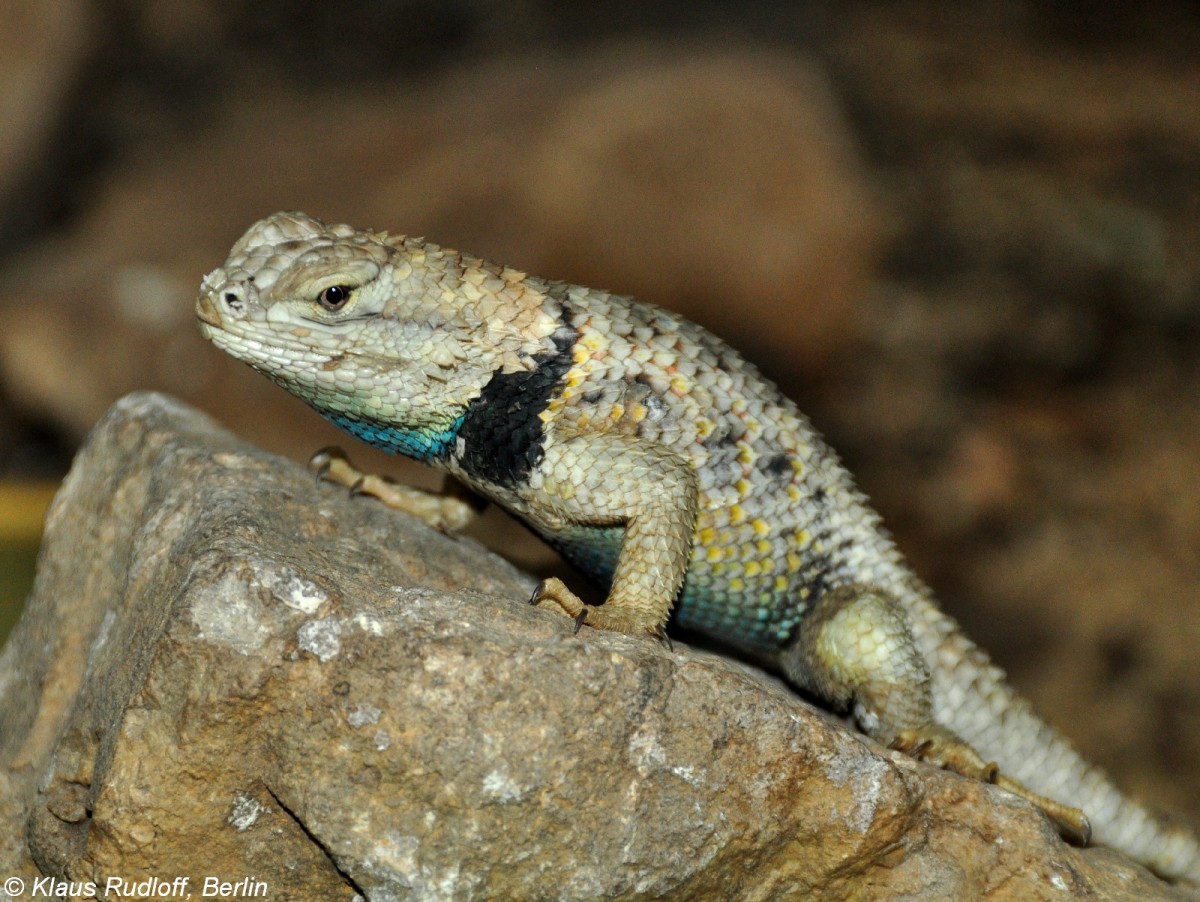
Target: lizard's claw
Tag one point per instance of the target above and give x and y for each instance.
(660, 633)
(321, 462)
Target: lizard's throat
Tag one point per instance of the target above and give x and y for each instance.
(423, 442)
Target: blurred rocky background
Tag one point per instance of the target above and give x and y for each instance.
(966, 238)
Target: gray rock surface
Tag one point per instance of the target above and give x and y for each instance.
(227, 671)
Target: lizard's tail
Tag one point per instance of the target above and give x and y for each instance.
(972, 697)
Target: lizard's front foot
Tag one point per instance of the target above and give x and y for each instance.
(442, 512)
(601, 617)
(942, 748)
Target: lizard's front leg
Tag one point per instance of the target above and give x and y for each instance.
(451, 510)
(610, 479)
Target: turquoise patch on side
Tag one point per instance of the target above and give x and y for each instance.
(750, 619)
(419, 444)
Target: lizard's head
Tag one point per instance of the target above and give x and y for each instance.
(356, 321)
(294, 294)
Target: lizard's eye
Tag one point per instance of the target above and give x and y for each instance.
(334, 297)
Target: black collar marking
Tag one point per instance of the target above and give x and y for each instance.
(502, 434)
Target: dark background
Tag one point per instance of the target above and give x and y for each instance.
(966, 238)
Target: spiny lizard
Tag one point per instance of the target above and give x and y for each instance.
(659, 462)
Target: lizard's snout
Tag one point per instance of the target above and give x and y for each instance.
(206, 310)
(223, 300)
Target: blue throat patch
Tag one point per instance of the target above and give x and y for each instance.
(419, 444)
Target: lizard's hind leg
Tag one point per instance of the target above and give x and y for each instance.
(856, 651)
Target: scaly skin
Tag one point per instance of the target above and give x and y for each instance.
(661, 463)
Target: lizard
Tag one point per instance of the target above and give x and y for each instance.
(662, 464)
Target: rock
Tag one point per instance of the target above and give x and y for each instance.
(228, 671)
